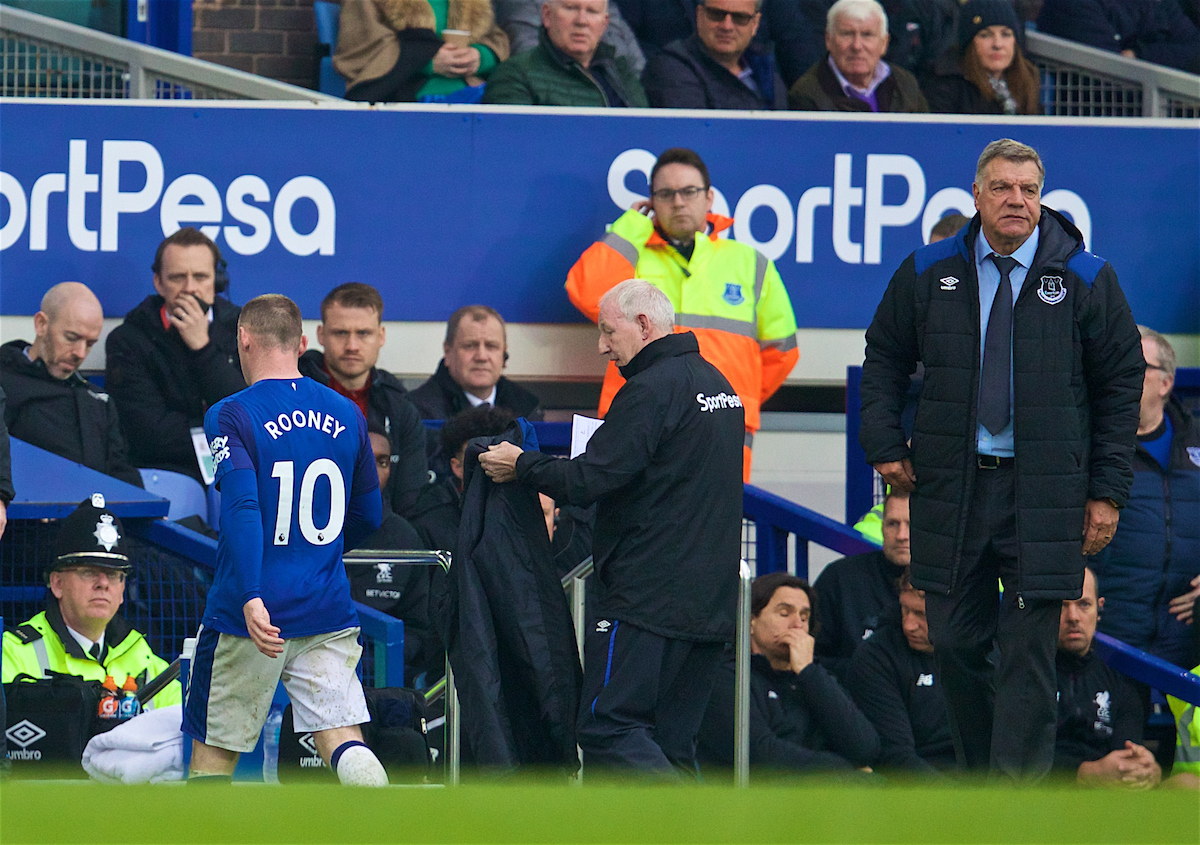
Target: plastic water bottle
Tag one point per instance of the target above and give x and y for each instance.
(109, 707)
(129, 705)
(271, 744)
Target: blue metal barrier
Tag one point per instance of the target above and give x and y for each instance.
(1149, 669)
(774, 518)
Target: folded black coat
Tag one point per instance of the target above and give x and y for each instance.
(507, 626)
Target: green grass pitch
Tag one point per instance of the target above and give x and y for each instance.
(37, 812)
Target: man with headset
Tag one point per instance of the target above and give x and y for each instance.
(175, 355)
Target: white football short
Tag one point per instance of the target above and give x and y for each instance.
(231, 684)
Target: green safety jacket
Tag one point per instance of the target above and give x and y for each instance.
(1187, 740)
(44, 644)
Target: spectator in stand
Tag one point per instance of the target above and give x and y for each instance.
(1152, 30)
(522, 19)
(399, 591)
(6, 485)
(786, 29)
(853, 75)
(49, 403)
(729, 294)
(569, 66)
(1191, 8)
(1150, 573)
(175, 354)
(474, 354)
(986, 72)
(892, 679)
(398, 52)
(352, 333)
(918, 32)
(1100, 716)
(947, 227)
(858, 594)
(800, 718)
(717, 67)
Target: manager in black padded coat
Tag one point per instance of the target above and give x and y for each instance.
(1025, 502)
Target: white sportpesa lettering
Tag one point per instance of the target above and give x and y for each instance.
(721, 401)
(300, 419)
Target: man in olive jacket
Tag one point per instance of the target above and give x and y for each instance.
(1021, 446)
(569, 66)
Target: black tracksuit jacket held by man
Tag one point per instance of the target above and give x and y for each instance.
(507, 627)
(665, 470)
(1077, 386)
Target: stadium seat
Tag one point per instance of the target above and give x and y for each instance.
(328, 81)
(187, 495)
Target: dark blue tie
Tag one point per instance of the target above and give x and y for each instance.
(997, 353)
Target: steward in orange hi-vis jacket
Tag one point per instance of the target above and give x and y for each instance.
(727, 293)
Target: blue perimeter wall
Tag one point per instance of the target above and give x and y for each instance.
(440, 208)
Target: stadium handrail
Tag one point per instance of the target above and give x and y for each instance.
(1158, 84)
(1150, 670)
(145, 66)
(775, 518)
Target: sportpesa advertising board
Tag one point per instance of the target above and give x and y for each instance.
(441, 207)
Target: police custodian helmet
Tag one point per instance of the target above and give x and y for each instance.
(91, 536)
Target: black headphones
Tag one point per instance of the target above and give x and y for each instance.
(220, 272)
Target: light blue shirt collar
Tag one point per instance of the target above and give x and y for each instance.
(1023, 254)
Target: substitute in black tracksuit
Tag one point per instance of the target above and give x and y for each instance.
(799, 722)
(857, 596)
(665, 472)
(1098, 710)
(976, 513)
(895, 686)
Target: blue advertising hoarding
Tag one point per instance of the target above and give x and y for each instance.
(439, 208)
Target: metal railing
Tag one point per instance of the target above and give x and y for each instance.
(444, 687)
(44, 57)
(1082, 81)
(774, 519)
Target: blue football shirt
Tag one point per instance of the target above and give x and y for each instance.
(308, 451)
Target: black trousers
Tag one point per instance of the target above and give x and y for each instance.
(995, 657)
(643, 699)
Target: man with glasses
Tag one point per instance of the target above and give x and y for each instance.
(1150, 573)
(717, 67)
(79, 633)
(727, 293)
(853, 75)
(569, 66)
